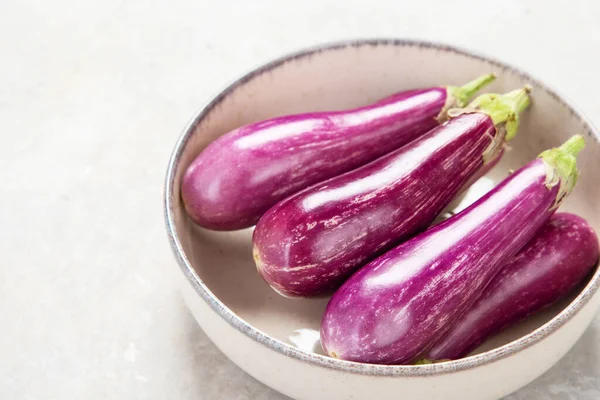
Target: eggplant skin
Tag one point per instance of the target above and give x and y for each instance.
(552, 264)
(397, 306)
(310, 243)
(239, 176)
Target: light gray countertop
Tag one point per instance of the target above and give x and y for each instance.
(92, 98)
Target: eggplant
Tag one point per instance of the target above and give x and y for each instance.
(310, 243)
(399, 305)
(552, 264)
(239, 176)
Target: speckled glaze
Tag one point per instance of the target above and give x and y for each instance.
(560, 255)
(398, 305)
(309, 243)
(238, 177)
(254, 327)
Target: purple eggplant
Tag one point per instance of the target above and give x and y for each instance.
(399, 305)
(557, 259)
(311, 242)
(239, 176)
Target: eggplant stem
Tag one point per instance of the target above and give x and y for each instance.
(503, 109)
(464, 93)
(561, 166)
(574, 145)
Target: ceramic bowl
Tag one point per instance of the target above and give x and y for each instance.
(276, 339)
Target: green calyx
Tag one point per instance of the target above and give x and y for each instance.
(503, 109)
(462, 94)
(427, 361)
(423, 361)
(561, 166)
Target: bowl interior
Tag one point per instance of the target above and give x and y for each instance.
(338, 78)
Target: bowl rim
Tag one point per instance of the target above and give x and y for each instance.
(324, 361)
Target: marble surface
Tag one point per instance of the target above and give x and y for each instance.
(92, 98)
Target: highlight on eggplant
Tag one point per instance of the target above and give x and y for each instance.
(399, 305)
(550, 266)
(309, 243)
(239, 176)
